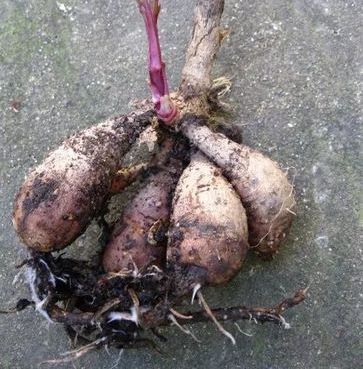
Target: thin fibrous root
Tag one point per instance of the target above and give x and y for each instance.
(290, 302)
(214, 319)
(179, 315)
(221, 86)
(136, 303)
(105, 308)
(117, 361)
(241, 331)
(196, 288)
(172, 318)
(76, 354)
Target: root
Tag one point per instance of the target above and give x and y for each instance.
(105, 308)
(214, 319)
(117, 361)
(40, 304)
(241, 331)
(257, 314)
(196, 288)
(221, 86)
(77, 353)
(179, 315)
(172, 318)
(221, 112)
(118, 309)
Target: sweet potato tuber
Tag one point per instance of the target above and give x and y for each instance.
(138, 239)
(61, 196)
(264, 189)
(208, 224)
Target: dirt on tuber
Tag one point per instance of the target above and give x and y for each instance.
(139, 238)
(208, 223)
(62, 195)
(264, 189)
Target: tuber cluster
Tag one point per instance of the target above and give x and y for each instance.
(204, 201)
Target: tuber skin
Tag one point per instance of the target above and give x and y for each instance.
(264, 189)
(60, 197)
(208, 223)
(138, 239)
(129, 248)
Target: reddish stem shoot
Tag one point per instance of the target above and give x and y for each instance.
(164, 107)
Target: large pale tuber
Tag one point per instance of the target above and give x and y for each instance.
(208, 224)
(264, 189)
(61, 196)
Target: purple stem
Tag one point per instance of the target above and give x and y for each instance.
(164, 107)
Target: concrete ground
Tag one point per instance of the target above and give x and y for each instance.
(296, 91)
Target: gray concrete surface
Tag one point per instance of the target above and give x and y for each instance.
(295, 68)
